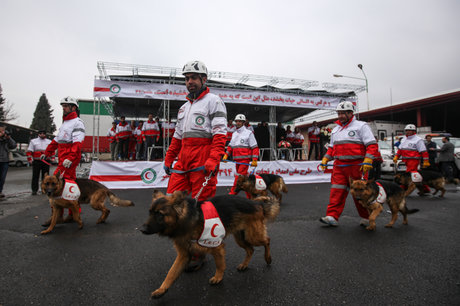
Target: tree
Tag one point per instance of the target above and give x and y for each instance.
(6, 109)
(43, 116)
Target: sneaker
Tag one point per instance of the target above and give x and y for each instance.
(195, 263)
(364, 222)
(329, 221)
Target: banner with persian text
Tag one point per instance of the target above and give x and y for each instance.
(144, 174)
(107, 88)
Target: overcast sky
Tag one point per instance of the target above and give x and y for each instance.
(52, 47)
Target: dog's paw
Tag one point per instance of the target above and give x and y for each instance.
(242, 267)
(370, 228)
(389, 225)
(44, 232)
(214, 280)
(158, 293)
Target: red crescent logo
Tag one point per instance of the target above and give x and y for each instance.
(147, 175)
(212, 230)
(70, 189)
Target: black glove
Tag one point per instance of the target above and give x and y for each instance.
(167, 170)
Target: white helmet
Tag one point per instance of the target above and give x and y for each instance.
(69, 100)
(240, 117)
(410, 127)
(195, 67)
(345, 106)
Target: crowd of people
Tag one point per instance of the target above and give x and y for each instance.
(141, 140)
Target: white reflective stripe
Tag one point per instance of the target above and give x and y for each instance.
(337, 186)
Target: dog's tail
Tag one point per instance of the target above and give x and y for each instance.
(270, 205)
(116, 201)
(403, 206)
(283, 186)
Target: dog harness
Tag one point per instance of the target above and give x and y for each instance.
(382, 197)
(213, 229)
(71, 191)
(260, 183)
(416, 177)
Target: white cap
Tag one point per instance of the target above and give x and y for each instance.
(195, 67)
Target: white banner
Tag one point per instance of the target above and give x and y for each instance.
(143, 174)
(107, 88)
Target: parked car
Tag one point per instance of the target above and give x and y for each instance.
(387, 156)
(18, 159)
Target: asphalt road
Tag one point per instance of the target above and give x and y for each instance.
(114, 264)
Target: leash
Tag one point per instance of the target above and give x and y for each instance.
(186, 171)
(205, 183)
(232, 161)
(349, 165)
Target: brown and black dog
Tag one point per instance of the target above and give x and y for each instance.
(91, 192)
(274, 183)
(367, 194)
(180, 218)
(434, 179)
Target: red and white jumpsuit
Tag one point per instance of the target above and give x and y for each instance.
(243, 148)
(151, 136)
(349, 145)
(410, 151)
(68, 143)
(199, 140)
(123, 134)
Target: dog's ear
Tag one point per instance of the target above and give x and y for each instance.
(178, 196)
(46, 174)
(370, 181)
(58, 174)
(157, 194)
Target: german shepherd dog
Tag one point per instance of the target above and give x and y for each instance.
(92, 192)
(367, 193)
(434, 179)
(275, 184)
(181, 219)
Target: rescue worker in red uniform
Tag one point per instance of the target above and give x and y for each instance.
(411, 149)
(111, 133)
(36, 149)
(243, 149)
(68, 143)
(313, 137)
(199, 140)
(123, 134)
(353, 146)
(151, 136)
(231, 128)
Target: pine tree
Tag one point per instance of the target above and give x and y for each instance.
(43, 118)
(2, 105)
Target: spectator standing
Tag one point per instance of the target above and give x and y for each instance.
(313, 137)
(280, 132)
(285, 147)
(132, 142)
(151, 135)
(111, 135)
(123, 134)
(6, 144)
(139, 141)
(431, 148)
(36, 149)
(297, 144)
(290, 136)
(447, 159)
(248, 126)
